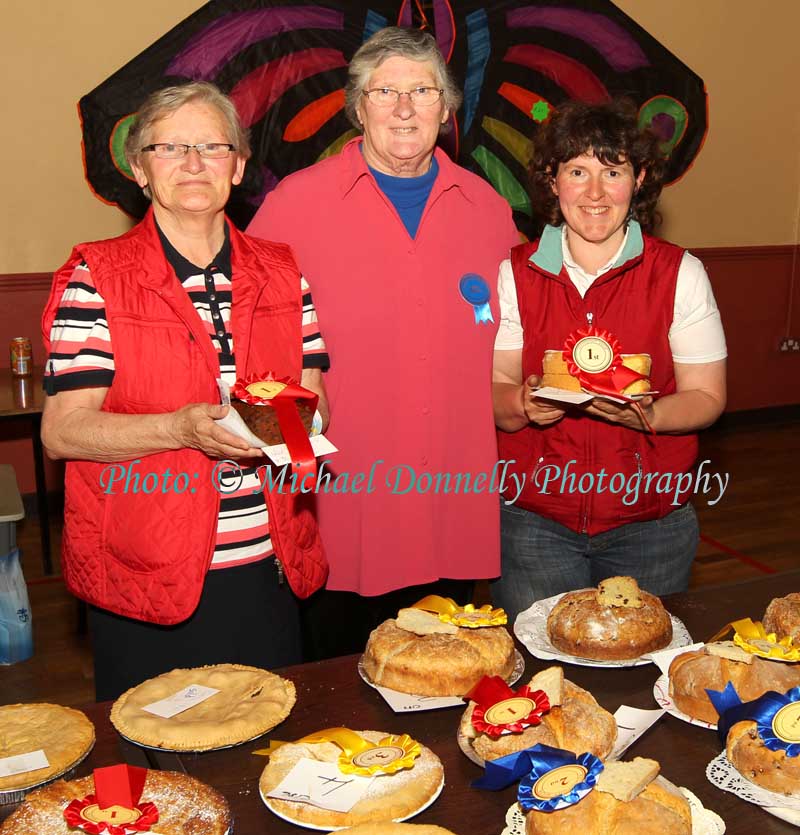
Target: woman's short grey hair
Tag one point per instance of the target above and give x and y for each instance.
(165, 102)
(392, 41)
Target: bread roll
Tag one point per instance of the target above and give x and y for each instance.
(691, 673)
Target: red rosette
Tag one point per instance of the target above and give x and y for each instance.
(499, 709)
(612, 379)
(283, 402)
(74, 815)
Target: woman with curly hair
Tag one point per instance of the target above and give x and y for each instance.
(601, 489)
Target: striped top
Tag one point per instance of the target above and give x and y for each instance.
(82, 356)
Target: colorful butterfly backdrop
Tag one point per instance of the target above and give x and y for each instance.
(285, 64)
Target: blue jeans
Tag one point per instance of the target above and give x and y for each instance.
(541, 558)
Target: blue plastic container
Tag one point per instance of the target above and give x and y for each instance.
(16, 629)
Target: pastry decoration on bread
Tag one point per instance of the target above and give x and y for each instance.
(438, 648)
(276, 411)
(407, 775)
(716, 664)
(618, 621)
(562, 793)
(550, 710)
(762, 737)
(592, 360)
(122, 800)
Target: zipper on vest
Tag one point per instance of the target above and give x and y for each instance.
(279, 569)
(589, 318)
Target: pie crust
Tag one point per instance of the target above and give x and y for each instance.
(389, 797)
(185, 806)
(251, 702)
(437, 664)
(65, 735)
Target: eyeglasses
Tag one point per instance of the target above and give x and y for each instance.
(387, 97)
(178, 150)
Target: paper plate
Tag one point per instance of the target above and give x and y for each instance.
(270, 806)
(661, 695)
(531, 629)
(722, 774)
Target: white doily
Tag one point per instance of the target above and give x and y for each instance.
(724, 776)
(662, 697)
(704, 821)
(531, 628)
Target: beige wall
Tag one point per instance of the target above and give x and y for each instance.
(743, 190)
(53, 52)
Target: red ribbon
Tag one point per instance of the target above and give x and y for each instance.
(492, 690)
(294, 433)
(614, 379)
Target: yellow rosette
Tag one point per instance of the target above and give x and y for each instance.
(753, 638)
(362, 757)
(468, 616)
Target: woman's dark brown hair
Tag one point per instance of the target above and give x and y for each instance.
(611, 132)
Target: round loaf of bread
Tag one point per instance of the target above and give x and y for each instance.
(753, 760)
(185, 806)
(578, 724)
(389, 797)
(691, 673)
(660, 809)
(262, 420)
(438, 664)
(783, 617)
(581, 625)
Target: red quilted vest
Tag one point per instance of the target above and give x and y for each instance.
(635, 302)
(145, 556)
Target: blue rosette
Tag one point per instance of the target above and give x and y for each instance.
(475, 291)
(777, 734)
(533, 765)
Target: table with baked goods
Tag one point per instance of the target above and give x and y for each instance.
(331, 693)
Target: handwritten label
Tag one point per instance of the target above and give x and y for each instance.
(632, 722)
(406, 703)
(21, 763)
(180, 701)
(321, 784)
(509, 710)
(559, 781)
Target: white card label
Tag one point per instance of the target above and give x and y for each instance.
(632, 722)
(180, 701)
(321, 784)
(406, 703)
(21, 763)
(663, 657)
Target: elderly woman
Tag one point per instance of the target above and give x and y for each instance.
(402, 246)
(587, 501)
(179, 562)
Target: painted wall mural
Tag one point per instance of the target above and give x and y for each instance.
(284, 63)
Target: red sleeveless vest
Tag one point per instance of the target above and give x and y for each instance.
(145, 556)
(634, 301)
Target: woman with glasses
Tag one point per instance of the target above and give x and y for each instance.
(402, 247)
(176, 553)
(604, 486)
